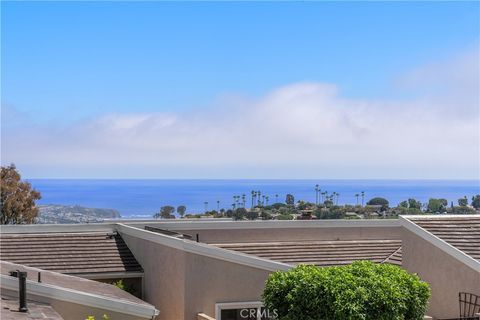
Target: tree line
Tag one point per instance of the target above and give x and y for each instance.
(18, 205)
(376, 207)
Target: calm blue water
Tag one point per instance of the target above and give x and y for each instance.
(137, 198)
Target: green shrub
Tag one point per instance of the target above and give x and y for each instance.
(379, 202)
(266, 214)
(360, 291)
(463, 210)
(334, 212)
(105, 317)
(251, 215)
(239, 214)
(119, 284)
(285, 217)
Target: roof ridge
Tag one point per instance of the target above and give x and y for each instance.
(393, 253)
(46, 234)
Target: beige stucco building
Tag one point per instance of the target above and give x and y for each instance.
(215, 268)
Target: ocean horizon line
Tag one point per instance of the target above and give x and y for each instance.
(268, 179)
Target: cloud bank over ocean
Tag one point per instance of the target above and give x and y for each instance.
(300, 130)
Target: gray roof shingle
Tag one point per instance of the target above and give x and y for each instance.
(461, 232)
(36, 310)
(323, 253)
(71, 282)
(70, 253)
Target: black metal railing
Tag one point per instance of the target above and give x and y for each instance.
(469, 304)
(169, 232)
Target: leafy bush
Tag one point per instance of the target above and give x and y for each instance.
(463, 210)
(239, 214)
(476, 201)
(266, 214)
(334, 212)
(360, 291)
(251, 215)
(285, 217)
(105, 317)
(120, 285)
(379, 202)
(277, 205)
(437, 205)
(407, 211)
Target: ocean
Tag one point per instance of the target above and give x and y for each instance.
(142, 198)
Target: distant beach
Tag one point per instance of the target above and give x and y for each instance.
(142, 198)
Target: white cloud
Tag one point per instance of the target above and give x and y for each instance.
(303, 130)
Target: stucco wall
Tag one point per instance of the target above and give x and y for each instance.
(164, 274)
(211, 281)
(182, 284)
(446, 275)
(292, 234)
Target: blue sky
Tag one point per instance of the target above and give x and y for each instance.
(70, 65)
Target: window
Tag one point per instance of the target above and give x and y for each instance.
(242, 311)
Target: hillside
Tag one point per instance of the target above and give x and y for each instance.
(54, 213)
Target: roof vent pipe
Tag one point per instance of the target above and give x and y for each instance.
(22, 289)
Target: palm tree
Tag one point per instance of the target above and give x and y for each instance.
(244, 199)
(263, 200)
(276, 198)
(356, 196)
(258, 195)
(316, 194)
(338, 196)
(363, 197)
(253, 198)
(206, 206)
(266, 200)
(218, 205)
